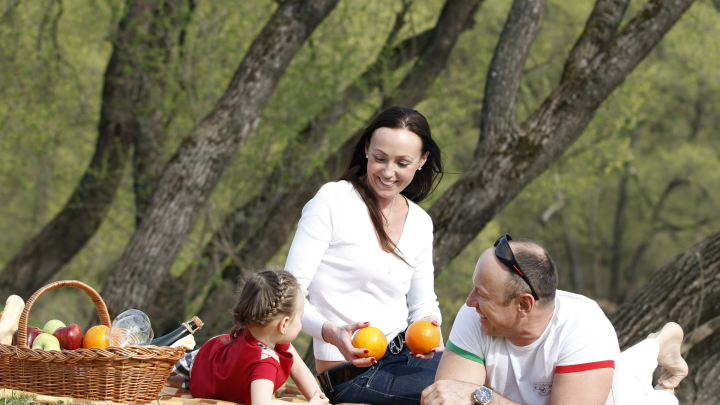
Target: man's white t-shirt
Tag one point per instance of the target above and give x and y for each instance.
(578, 338)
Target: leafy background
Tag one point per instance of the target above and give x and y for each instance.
(53, 56)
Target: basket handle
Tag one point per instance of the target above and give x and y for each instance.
(94, 296)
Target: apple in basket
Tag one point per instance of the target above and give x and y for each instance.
(46, 341)
(32, 333)
(70, 337)
(50, 326)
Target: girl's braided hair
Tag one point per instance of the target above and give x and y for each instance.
(264, 296)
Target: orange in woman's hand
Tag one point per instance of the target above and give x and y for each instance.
(370, 338)
(97, 336)
(422, 336)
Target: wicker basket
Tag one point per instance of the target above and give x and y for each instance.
(118, 374)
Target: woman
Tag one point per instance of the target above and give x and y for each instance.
(363, 253)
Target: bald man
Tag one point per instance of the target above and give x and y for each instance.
(520, 340)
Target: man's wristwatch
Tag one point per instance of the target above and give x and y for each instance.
(483, 395)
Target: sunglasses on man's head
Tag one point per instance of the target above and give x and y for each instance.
(506, 256)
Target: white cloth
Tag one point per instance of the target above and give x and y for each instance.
(637, 365)
(337, 260)
(579, 337)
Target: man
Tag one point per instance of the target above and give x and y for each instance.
(528, 342)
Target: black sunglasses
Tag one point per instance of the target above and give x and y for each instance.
(506, 256)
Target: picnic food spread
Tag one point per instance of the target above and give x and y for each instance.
(11, 316)
(187, 328)
(55, 335)
(59, 360)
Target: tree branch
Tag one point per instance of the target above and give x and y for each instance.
(194, 171)
(40, 258)
(283, 210)
(675, 294)
(502, 168)
(149, 130)
(499, 112)
(599, 29)
(239, 226)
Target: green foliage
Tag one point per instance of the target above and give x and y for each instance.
(51, 77)
(15, 399)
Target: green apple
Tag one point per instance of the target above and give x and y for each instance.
(46, 341)
(50, 326)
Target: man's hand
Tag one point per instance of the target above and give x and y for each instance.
(448, 392)
(429, 356)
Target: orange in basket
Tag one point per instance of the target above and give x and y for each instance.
(97, 336)
(127, 374)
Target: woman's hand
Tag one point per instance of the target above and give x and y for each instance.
(341, 337)
(428, 356)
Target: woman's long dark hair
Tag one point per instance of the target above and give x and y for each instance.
(423, 183)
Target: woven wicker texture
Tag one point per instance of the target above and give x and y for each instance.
(118, 374)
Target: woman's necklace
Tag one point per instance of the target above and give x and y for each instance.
(387, 219)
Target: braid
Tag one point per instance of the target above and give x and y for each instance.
(277, 302)
(265, 296)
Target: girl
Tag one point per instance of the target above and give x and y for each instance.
(254, 360)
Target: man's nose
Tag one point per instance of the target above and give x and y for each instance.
(470, 301)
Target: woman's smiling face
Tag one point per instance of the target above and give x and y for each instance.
(394, 156)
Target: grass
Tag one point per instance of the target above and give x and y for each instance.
(15, 399)
(19, 400)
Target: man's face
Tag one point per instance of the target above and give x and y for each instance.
(488, 294)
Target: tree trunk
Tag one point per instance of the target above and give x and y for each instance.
(631, 271)
(58, 242)
(577, 274)
(149, 158)
(618, 289)
(239, 226)
(685, 290)
(195, 169)
(510, 155)
(285, 208)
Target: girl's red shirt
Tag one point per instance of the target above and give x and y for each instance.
(224, 371)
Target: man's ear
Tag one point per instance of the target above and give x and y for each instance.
(526, 303)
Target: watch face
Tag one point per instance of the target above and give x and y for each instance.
(483, 394)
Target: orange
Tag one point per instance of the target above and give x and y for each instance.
(372, 339)
(422, 336)
(97, 336)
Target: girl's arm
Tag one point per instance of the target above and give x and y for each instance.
(302, 376)
(261, 393)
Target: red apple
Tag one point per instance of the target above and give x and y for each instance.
(32, 333)
(70, 337)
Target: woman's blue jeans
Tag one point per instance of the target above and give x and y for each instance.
(395, 379)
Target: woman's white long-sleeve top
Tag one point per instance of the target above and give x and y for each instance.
(338, 262)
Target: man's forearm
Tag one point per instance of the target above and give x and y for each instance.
(501, 400)
(451, 392)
